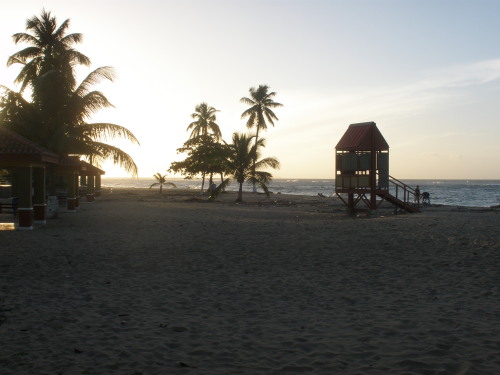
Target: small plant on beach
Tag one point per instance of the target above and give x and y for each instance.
(244, 164)
(161, 180)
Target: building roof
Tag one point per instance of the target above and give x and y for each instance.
(69, 164)
(15, 148)
(364, 136)
(90, 170)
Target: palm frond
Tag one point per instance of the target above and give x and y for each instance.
(78, 57)
(70, 39)
(251, 120)
(247, 101)
(250, 111)
(22, 56)
(268, 162)
(61, 30)
(25, 38)
(270, 116)
(105, 131)
(272, 104)
(121, 158)
(104, 72)
(89, 104)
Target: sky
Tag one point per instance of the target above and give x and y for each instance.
(426, 72)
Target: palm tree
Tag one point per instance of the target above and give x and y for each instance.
(205, 117)
(88, 139)
(204, 128)
(261, 103)
(57, 115)
(244, 166)
(51, 49)
(161, 180)
(71, 134)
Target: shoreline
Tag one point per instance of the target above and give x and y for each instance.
(466, 193)
(138, 282)
(260, 197)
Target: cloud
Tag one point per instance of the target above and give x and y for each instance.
(438, 88)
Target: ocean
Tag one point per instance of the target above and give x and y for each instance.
(467, 193)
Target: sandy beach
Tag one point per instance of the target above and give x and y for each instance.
(142, 283)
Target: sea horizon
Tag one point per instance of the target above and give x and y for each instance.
(458, 192)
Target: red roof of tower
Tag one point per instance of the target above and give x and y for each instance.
(364, 136)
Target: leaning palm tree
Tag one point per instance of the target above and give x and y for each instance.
(261, 103)
(204, 124)
(161, 180)
(244, 166)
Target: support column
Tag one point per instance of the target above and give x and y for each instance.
(39, 206)
(83, 180)
(90, 188)
(72, 181)
(98, 185)
(83, 185)
(350, 201)
(77, 189)
(24, 191)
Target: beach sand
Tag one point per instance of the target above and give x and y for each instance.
(141, 283)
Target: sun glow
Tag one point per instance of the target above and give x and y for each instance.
(430, 90)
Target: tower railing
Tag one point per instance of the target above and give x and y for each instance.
(401, 191)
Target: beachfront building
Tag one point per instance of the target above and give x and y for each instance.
(69, 170)
(90, 180)
(27, 163)
(362, 171)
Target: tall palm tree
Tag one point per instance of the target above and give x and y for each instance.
(205, 117)
(161, 180)
(261, 104)
(243, 163)
(58, 112)
(50, 49)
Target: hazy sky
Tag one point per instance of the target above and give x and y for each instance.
(427, 72)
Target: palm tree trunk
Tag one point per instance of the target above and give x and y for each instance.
(161, 187)
(240, 193)
(203, 183)
(210, 182)
(255, 158)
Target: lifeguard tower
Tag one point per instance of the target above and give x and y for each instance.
(362, 171)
